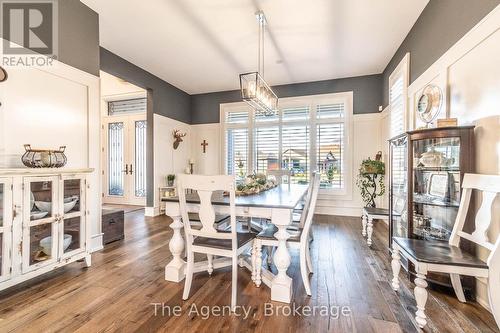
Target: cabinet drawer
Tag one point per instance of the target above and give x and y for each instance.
(112, 225)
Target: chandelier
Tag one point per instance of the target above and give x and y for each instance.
(254, 90)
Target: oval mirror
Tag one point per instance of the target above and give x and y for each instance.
(3, 74)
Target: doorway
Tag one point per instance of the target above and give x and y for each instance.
(124, 143)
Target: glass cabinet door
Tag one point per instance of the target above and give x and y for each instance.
(436, 187)
(72, 229)
(40, 217)
(399, 187)
(6, 210)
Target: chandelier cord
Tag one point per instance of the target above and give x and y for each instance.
(261, 44)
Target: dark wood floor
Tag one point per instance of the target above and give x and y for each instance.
(116, 293)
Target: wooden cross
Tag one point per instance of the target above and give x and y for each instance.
(204, 144)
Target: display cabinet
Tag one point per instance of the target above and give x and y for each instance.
(43, 222)
(5, 227)
(426, 170)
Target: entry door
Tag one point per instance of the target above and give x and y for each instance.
(125, 156)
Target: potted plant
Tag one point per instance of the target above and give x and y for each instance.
(170, 180)
(370, 180)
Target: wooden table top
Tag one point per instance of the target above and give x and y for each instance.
(283, 196)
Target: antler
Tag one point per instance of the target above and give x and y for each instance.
(178, 134)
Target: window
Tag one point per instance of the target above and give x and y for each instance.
(398, 92)
(308, 133)
(134, 105)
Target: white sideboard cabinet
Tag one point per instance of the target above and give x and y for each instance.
(43, 221)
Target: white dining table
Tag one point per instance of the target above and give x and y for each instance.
(276, 205)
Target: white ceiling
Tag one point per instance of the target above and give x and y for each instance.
(202, 45)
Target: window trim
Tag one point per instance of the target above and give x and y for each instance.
(402, 69)
(300, 101)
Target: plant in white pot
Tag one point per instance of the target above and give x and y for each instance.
(170, 180)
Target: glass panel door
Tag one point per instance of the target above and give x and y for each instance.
(125, 156)
(73, 236)
(40, 219)
(72, 230)
(116, 159)
(399, 188)
(5, 227)
(436, 187)
(140, 159)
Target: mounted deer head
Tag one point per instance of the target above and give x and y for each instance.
(178, 138)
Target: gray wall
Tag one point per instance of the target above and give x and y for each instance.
(78, 36)
(441, 24)
(367, 96)
(169, 101)
(163, 99)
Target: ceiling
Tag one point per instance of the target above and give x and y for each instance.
(202, 45)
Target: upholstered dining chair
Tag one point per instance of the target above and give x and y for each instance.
(208, 240)
(298, 239)
(448, 257)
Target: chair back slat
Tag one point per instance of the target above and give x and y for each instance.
(205, 186)
(489, 187)
(311, 207)
(476, 240)
(307, 201)
(207, 212)
(483, 218)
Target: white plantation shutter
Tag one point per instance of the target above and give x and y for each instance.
(134, 105)
(330, 111)
(237, 150)
(295, 152)
(330, 154)
(398, 82)
(308, 133)
(237, 117)
(266, 143)
(398, 87)
(397, 115)
(295, 113)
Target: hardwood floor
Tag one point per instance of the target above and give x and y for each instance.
(125, 208)
(117, 292)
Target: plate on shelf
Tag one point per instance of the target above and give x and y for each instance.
(38, 215)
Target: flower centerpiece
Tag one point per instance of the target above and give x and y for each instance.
(254, 183)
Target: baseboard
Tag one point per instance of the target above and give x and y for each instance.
(339, 211)
(152, 211)
(96, 243)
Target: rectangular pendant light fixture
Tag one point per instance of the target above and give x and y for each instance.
(254, 90)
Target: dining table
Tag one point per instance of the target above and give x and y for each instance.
(276, 205)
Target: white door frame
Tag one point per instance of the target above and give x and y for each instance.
(129, 167)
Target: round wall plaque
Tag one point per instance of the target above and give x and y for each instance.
(429, 103)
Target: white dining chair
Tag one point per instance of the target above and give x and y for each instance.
(298, 239)
(448, 257)
(208, 240)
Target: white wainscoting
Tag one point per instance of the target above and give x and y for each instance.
(469, 75)
(50, 107)
(166, 159)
